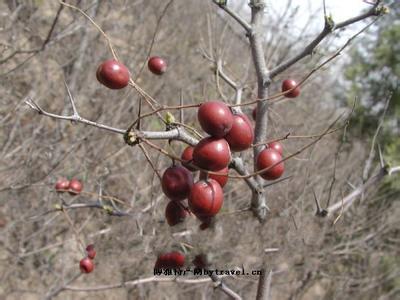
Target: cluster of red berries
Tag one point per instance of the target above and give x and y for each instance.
(227, 132)
(73, 186)
(86, 264)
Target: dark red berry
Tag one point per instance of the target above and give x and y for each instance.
(212, 154)
(215, 117)
(206, 198)
(289, 84)
(113, 74)
(175, 213)
(221, 179)
(277, 146)
(241, 135)
(62, 185)
(176, 182)
(75, 186)
(187, 156)
(170, 260)
(91, 252)
(157, 65)
(86, 265)
(270, 158)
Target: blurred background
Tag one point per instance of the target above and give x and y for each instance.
(42, 44)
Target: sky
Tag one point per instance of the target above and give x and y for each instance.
(343, 9)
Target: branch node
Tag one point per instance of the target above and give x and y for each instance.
(221, 3)
(131, 138)
(381, 10)
(108, 209)
(322, 213)
(258, 4)
(329, 23)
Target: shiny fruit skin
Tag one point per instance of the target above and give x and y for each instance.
(75, 186)
(62, 185)
(212, 154)
(241, 135)
(215, 118)
(287, 85)
(221, 179)
(157, 65)
(175, 213)
(206, 198)
(91, 252)
(170, 260)
(176, 182)
(276, 146)
(187, 156)
(86, 265)
(267, 158)
(113, 74)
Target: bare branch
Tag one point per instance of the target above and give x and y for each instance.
(237, 164)
(223, 75)
(221, 285)
(71, 100)
(41, 48)
(372, 181)
(137, 282)
(394, 170)
(75, 118)
(328, 28)
(277, 181)
(246, 26)
(107, 208)
(177, 133)
(371, 155)
(264, 285)
(55, 291)
(258, 201)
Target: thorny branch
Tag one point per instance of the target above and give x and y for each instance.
(372, 181)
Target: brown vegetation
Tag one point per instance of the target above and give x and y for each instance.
(357, 257)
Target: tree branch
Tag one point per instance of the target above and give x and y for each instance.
(221, 285)
(347, 201)
(258, 201)
(329, 27)
(235, 16)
